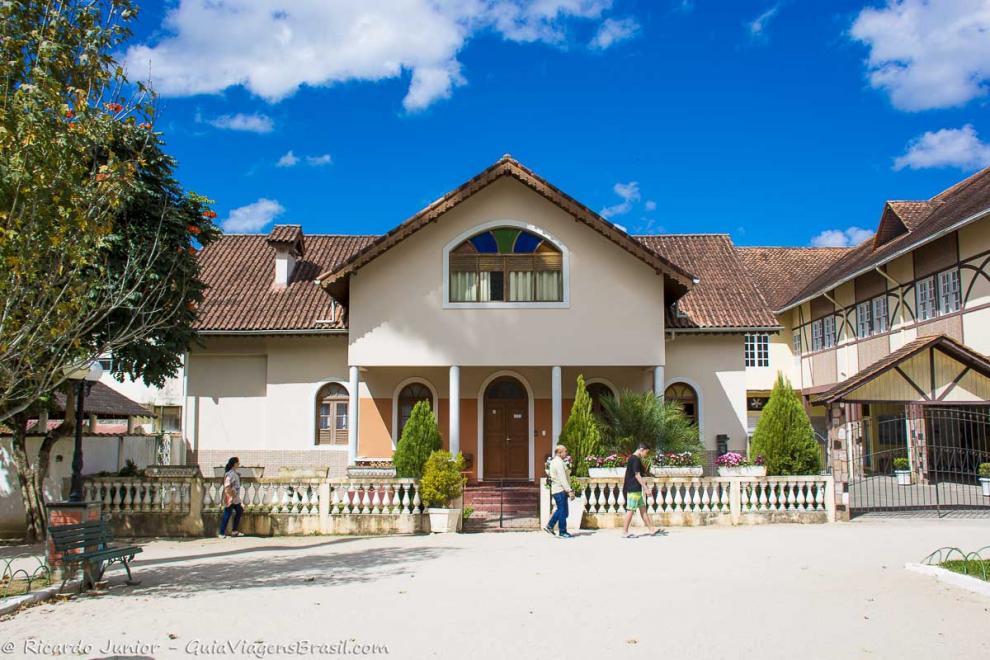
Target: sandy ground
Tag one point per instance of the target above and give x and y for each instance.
(823, 591)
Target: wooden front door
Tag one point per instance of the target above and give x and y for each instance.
(506, 431)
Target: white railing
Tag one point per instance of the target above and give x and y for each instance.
(375, 497)
(139, 494)
(302, 496)
(698, 500)
(293, 496)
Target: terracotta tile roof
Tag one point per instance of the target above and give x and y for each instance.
(289, 236)
(105, 401)
(240, 270)
(725, 296)
(911, 213)
(950, 207)
(943, 343)
(781, 272)
(507, 166)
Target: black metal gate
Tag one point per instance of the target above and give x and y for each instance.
(923, 460)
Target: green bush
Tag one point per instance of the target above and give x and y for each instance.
(442, 479)
(901, 464)
(581, 434)
(984, 470)
(784, 436)
(420, 438)
(645, 417)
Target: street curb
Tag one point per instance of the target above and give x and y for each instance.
(17, 602)
(966, 582)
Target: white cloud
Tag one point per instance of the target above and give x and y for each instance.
(613, 31)
(949, 147)
(253, 123)
(253, 217)
(927, 53)
(318, 161)
(629, 193)
(273, 47)
(757, 28)
(288, 159)
(841, 237)
(650, 205)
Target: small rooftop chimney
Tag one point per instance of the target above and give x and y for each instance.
(288, 243)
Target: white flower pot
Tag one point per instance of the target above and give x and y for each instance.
(985, 483)
(445, 521)
(605, 473)
(743, 471)
(668, 471)
(575, 513)
(903, 477)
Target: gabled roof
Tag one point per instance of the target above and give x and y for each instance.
(239, 271)
(942, 343)
(781, 272)
(725, 297)
(288, 237)
(507, 167)
(105, 401)
(957, 206)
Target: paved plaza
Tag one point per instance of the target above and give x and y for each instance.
(774, 591)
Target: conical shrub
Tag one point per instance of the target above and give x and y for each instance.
(784, 436)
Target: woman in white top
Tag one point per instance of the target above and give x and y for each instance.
(231, 498)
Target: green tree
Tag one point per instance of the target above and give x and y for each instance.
(645, 417)
(784, 435)
(420, 438)
(442, 479)
(581, 434)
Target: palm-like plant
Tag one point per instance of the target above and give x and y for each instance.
(645, 417)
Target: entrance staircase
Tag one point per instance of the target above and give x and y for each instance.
(511, 506)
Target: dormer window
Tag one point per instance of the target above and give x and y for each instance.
(506, 264)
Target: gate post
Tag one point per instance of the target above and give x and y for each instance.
(838, 442)
(917, 441)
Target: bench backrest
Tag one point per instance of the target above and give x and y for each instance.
(80, 535)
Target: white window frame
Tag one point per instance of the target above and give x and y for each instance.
(828, 331)
(563, 303)
(796, 343)
(949, 293)
(756, 350)
(864, 319)
(925, 299)
(816, 335)
(878, 308)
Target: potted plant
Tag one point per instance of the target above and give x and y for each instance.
(442, 483)
(902, 469)
(680, 464)
(734, 464)
(984, 472)
(603, 467)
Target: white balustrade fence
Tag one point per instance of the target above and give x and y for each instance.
(375, 497)
(139, 494)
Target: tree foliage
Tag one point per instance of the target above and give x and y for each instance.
(581, 434)
(644, 417)
(442, 479)
(420, 438)
(784, 435)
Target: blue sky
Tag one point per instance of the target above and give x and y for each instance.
(781, 123)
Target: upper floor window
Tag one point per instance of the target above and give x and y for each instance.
(816, 335)
(796, 342)
(757, 350)
(871, 317)
(924, 294)
(880, 323)
(506, 264)
(948, 291)
(828, 332)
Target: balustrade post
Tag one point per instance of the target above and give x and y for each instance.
(830, 498)
(324, 506)
(544, 502)
(193, 523)
(735, 501)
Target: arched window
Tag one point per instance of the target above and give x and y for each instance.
(409, 396)
(332, 415)
(685, 395)
(597, 392)
(506, 264)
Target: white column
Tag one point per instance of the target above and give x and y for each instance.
(557, 405)
(352, 410)
(454, 398)
(658, 381)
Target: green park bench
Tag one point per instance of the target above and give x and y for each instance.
(93, 541)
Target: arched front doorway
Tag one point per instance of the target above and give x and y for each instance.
(506, 430)
(685, 395)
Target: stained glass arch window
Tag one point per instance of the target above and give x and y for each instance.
(506, 264)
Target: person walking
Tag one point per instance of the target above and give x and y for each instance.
(560, 490)
(633, 488)
(231, 497)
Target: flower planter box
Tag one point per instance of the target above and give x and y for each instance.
(903, 477)
(985, 484)
(605, 473)
(743, 471)
(669, 471)
(445, 521)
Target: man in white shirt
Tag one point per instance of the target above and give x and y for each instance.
(560, 490)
